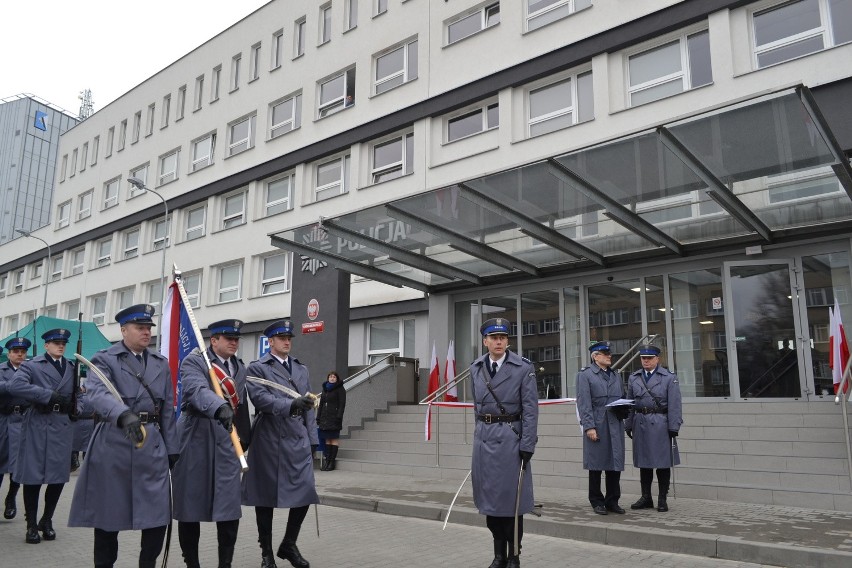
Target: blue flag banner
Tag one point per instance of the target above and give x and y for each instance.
(178, 339)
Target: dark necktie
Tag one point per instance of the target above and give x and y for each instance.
(59, 366)
(139, 358)
(226, 367)
(493, 370)
(647, 376)
(287, 365)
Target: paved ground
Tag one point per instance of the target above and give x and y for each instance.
(382, 521)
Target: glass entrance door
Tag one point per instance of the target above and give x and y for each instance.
(763, 329)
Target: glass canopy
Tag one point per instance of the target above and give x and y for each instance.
(741, 174)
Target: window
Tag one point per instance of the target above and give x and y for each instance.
(299, 38)
(274, 271)
(254, 63)
(140, 173)
(669, 69)
(51, 312)
(241, 134)
(195, 221)
(111, 193)
(391, 338)
(396, 67)
(543, 12)
(794, 29)
(78, 258)
(3, 281)
(84, 205)
(192, 285)
(285, 115)
(332, 178)
(137, 125)
(149, 127)
(381, 6)
(278, 195)
(124, 298)
(72, 309)
(164, 114)
(63, 215)
(181, 103)
(230, 280)
(56, 268)
(236, 61)
(35, 271)
(350, 14)
(155, 293)
(96, 142)
(161, 233)
(233, 210)
(473, 122)
(336, 93)
(199, 92)
(325, 24)
(202, 151)
(393, 158)
(103, 250)
(63, 167)
(168, 167)
(131, 244)
(12, 323)
(277, 49)
(28, 317)
(472, 23)
(553, 106)
(110, 138)
(18, 280)
(122, 134)
(84, 156)
(98, 304)
(73, 162)
(215, 79)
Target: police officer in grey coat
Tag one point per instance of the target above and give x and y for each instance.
(12, 411)
(284, 435)
(653, 424)
(505, 401)
(121, 486)
(206, 478)
(46, 382)
(603, 440)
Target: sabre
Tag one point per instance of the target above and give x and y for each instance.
(111, 388)
(456, 496)
(316, 512)
(518, 505)
(671, 454)
(286, 390)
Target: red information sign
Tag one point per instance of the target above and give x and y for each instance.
(313, 327)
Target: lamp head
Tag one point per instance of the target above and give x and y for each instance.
(22, 232)
(137, 183)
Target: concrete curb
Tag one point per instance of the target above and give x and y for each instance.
(680, 542)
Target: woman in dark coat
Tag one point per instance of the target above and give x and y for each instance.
(330, 418)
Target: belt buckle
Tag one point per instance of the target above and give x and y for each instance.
(143, 417)
(55, 408)
(16, 409)
(487, 419)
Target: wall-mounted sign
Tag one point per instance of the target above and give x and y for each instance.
(262, 346)
(313, 327)
(313, 309)
(40, 120)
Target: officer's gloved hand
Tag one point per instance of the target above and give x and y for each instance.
(314, 448)
(302, 403)
(56, 398)
(525, 457)
(629, 433)
(225, 416)
(173, 458)
(672, 433)
(132, 426)
(621, 412)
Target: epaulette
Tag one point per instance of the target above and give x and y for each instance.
(583, 369)
(526, 360)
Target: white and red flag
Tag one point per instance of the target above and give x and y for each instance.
(452, 394)
(434, 382)
(838, 355)
(178, 339)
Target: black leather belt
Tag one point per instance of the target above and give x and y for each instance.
(14, 409)
(51, 408)
(148, 417)
(649, 410)
(492, 418)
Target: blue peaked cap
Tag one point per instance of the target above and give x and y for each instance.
(281, 327)
(58, 334)
(18, 343)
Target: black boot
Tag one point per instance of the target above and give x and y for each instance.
(644, 502)
(32, 528)
(11, 507)
(226, 555)
(75, 461)
(147, 564)
(662, 506)
(325, 453)
(268, 562)
(332, 457)
(46, 528)
(499, 554)
(289, 551)
(513, 562)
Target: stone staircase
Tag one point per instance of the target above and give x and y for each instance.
(781, 453)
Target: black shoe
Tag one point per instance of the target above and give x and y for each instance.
(289, 551)
(498, 562)
(662, 506)
(644, 502)
(499, 554)
(32, 535)
(615, 509)
(46, 528)
(268, 562)
(75, 462)
(11, 509)
(513, 562)
(324, 466)
(600, 509)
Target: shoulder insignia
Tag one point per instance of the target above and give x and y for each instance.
(526, 360)
(583, 369)
(675, 381)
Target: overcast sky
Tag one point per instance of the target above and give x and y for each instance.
(54, 49)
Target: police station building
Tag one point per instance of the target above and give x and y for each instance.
(590, 169)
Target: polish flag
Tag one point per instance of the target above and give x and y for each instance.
(452, 395)
(434, 381)
(838, 355)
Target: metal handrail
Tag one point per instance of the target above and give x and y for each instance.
(369, 367)
(845, 379)
(457, 380)
(647, 340)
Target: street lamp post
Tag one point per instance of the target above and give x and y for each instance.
(46, 268)
(139, 184)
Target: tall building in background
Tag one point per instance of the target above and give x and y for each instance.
(29, 143)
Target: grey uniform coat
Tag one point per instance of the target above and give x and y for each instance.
(206, 478)
(496, 459)
(11, 419)
(595, 389)
(651, 442)
(281, 472)
(44, 453)
(122, 487)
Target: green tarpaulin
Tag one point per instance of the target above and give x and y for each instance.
(93, 339)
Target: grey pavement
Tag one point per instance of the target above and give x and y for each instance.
(383, 520)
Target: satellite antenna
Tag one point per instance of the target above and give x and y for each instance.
(87, 103)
